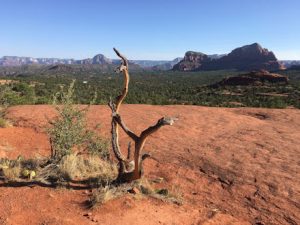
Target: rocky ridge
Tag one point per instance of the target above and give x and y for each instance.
(246, 58)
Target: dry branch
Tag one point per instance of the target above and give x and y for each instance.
(130, 170)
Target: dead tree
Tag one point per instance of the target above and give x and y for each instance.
(130, 170)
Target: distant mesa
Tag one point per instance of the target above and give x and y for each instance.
(99, 59)
(246, 58)
(20, 61)
(253, 78)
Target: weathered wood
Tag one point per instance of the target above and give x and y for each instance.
(118, 119)
(114, 136)
(130, 170)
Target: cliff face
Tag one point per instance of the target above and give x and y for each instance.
(192, 61)
(248, 57)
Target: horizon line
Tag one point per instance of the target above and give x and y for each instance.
(130, 59)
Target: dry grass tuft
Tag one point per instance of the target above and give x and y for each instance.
(12, 173)
(14, 170)
(173, 194)
(77, 169)
(144, 186)
(74, 167)
(107, 193)
(4, 123)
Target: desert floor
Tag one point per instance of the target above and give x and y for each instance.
(233, 166)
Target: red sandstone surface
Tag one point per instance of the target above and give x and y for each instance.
(233, 166)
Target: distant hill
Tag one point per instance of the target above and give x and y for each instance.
(149, 63)
(98, 59)
(290, 63)
(16, 66)
(168, 65)
(63, 69)
(248, 57)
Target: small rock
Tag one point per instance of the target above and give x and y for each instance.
(95, 219)
(51, 195)
(88, 214)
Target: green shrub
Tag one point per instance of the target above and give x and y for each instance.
(69, 132)
(18, 93)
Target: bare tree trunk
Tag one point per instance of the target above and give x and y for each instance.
(130, 170)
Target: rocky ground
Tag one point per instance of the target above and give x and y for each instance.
(232, 166)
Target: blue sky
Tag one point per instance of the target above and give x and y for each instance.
(156, 29)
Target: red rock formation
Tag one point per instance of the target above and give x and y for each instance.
(192, 61)
(249, 57)
(253, 78)
(246, 58)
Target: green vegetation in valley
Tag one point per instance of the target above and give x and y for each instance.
(158, 88)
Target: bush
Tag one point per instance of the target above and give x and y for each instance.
(23, 94)
(69, 132)
(19, 93)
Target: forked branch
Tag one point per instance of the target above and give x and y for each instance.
(117, 118)
(130, 170)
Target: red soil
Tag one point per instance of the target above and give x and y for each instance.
(233, 166)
